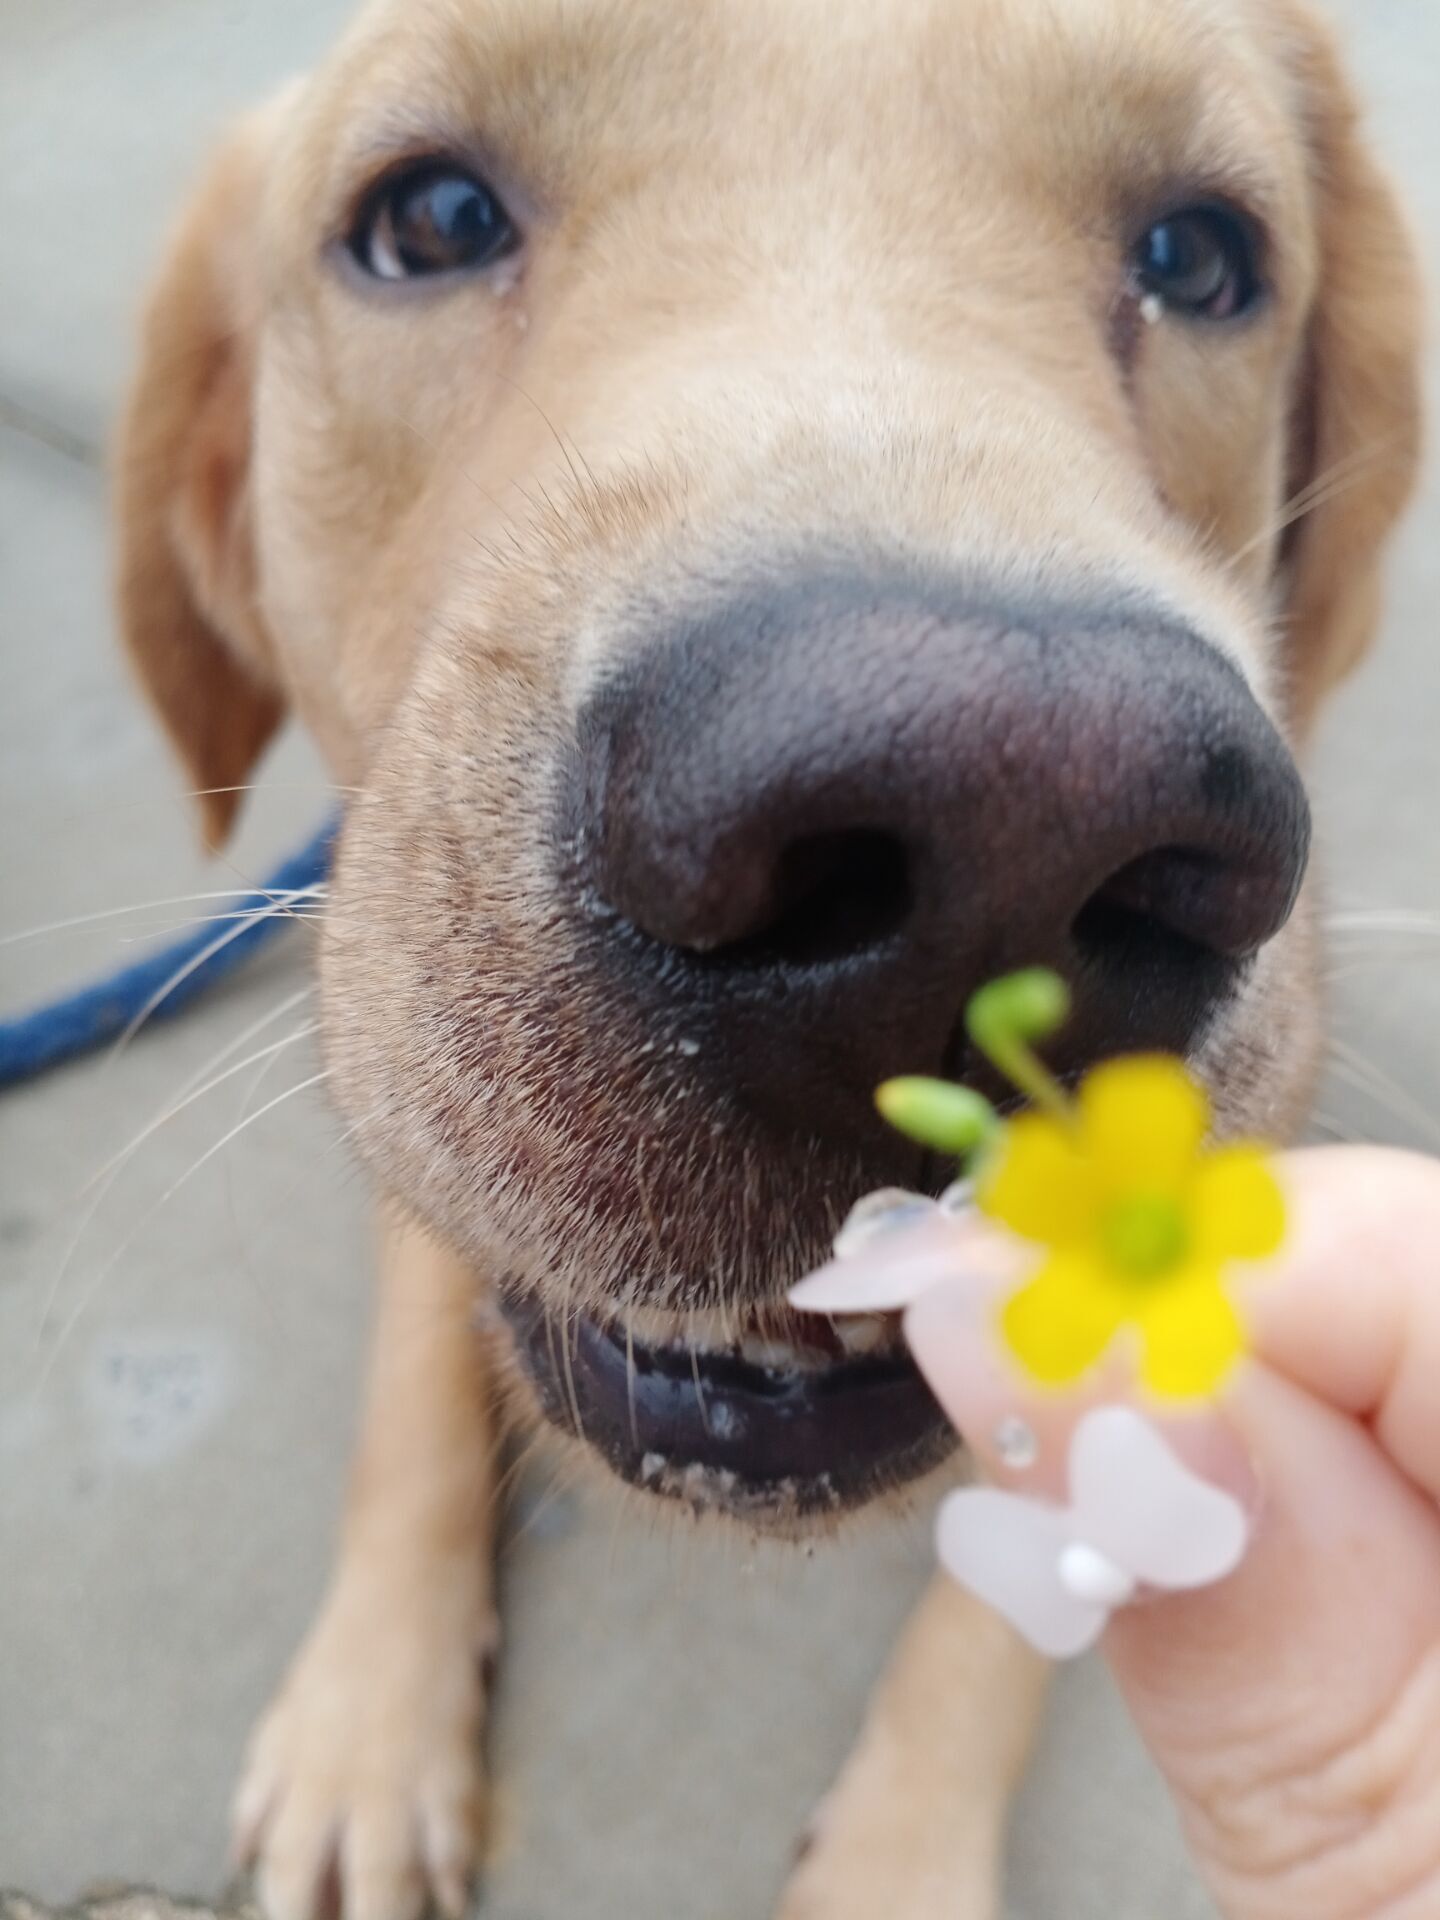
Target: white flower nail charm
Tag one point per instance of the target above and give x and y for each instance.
(1137, 1517)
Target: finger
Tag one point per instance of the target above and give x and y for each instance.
(1351, 1311)
(1295, 1707)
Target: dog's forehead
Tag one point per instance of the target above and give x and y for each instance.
(579, 97)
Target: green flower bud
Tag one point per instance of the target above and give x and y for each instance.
(951, 1119)
(1022, 1008)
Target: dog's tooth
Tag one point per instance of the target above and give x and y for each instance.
(778, 1355)
(662, 1327)
(861, 1332)
(707, 1331)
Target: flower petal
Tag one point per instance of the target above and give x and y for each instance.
(1142, 1121)
(1059, 1325)
(1237, 1208)
(1191, 1337)
(1035, 1182)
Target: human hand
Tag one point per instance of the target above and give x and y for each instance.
(1294, 1708)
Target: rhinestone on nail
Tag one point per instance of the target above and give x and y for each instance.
(886, 1211)
(1015, 1443)
(958, 1198)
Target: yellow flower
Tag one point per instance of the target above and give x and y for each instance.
(1140, 1217)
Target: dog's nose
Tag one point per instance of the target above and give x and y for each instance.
(816, 820)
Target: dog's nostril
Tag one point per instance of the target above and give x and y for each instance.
(1173, 905)
(834, 896)
(1112, 933)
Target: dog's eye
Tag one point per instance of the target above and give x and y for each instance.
(1200, 261)
(430, 218)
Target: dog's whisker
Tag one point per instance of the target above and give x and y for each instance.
(491, 552)
(241, 1039)
(630, 1383)
(1348, 468)
(106, 1175)
(312, 788)
(266, 1053)
(143, 906)
(647, 1208)
(279, 906)
(1378, 937)
(1300, 509)
(1332, 1129)
(515, 1467)
(627, 1314)
(568, 1474)
(1359, 965)
(1399, 921)
(109, 1265)
(550, 1338)
(1324, 487)
(555, 434)
(695, 1372)
(550, 506)
(253, 1240)
(249, 885)
(1354, 1070)
(427, 440)
(568, 1363)
(160, 930)
(264, 1063)
(561, 1478)
(271, 786)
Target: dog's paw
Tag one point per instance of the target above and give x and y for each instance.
(363, 1784)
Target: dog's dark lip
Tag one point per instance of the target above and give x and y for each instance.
(719, 1431)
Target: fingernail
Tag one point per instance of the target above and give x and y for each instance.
(886, 1271)
(952, 1333)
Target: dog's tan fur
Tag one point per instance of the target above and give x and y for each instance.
(836, 272)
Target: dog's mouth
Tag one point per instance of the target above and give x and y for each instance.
(777, 1429)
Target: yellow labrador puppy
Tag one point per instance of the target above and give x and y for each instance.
(781, 510)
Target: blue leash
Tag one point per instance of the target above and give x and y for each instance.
(34, 1042)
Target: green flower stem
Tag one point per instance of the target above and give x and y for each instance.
(1008, 1018)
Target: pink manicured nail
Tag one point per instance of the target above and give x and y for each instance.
(888, 1272)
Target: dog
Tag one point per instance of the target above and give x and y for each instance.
(779, 511)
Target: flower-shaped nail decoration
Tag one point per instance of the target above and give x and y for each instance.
(1139, 1219)
(1139, 1215)
(1137, 1517)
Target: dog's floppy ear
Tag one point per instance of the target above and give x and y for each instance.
(1357, 427)
(186, 581)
